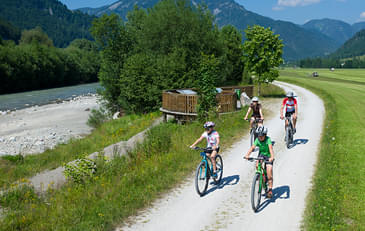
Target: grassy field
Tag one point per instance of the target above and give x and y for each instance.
(122, 186)
(337, 200)
(12, 169)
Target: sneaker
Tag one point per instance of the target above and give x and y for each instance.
(269, 194)
(295, 130)
(215, 175)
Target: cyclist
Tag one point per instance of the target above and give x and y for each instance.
(266, 151)
(291, 109)
(212, 138)
(256, 109)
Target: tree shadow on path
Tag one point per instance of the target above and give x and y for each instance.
(282, 192)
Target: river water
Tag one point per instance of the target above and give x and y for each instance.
(31, 98)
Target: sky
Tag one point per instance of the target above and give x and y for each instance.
(297, 11)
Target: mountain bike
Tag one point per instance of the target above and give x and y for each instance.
(259, 183)
(289, 132)
(253, 134)
(205, 170)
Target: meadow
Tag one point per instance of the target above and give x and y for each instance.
(18, 167)
(337, 199)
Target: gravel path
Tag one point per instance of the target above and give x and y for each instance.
(35, 129)
(227, 206)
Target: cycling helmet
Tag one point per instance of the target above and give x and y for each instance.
(261, 131)
(209, 124)
(255, 99)
(290, 94)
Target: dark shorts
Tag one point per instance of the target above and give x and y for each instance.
(210, 151)
(266, 158)
(257, 118)
(289, 114)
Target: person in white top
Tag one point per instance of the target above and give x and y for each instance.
(212, 138)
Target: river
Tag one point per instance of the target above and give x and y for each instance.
(41, 97)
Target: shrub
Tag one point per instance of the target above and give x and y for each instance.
(98, 117)
(80, 169)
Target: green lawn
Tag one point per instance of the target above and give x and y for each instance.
(337, 200)
(109, 133)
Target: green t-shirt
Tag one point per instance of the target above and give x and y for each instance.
(263, 146)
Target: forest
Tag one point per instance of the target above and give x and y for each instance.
(34, 63)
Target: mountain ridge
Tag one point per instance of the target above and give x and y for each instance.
(61, 24)
(230, 12)
(338, 30)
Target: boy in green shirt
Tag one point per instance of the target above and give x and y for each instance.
(266, 151)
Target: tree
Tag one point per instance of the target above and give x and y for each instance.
(208, 75)
(263, 53)
(36, 36)
(232, 42)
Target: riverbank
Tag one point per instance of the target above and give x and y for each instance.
(35, 129)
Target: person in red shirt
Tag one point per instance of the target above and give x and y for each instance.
(291, 109)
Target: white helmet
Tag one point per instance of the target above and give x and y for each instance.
(255, 99)
(290, 94)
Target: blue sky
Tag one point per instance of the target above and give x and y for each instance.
(297, 11)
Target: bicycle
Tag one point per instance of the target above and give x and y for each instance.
(253, 134)
(259, 182)
(289, 132)
(205, 170)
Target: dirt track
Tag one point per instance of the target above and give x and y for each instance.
(227, 206)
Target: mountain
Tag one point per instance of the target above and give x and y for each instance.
(8, 31)
(299, 42)
(353, 47)
(338, 30)
(60, 23)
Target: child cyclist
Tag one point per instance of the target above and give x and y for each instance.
(266, 151)
(212, 138)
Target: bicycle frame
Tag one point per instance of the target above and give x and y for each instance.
(290, 124)
(261, 170)
(208, 164)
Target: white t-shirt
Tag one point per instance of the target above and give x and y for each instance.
(212, 138)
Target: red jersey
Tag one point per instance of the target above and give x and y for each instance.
(290, 104)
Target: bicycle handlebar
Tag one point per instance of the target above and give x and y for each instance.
(257, 158)
(202, 149)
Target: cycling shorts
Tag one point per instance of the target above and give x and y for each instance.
(210, 151)
(289, 114)
(266, 158)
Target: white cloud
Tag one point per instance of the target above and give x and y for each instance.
(294, 3)
(277, 8)
(362, 15)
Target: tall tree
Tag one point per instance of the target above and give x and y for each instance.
(263, 54)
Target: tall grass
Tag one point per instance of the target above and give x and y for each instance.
(107, 134)
(337, 199)
(124, 185)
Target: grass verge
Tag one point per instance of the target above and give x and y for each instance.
(122, 186)
(270, 90)
(12, 168)
(337, 198)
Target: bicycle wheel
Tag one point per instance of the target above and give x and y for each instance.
(219, 163)
(252, 138)
(255, 192)
(201, 179)
(287, 137)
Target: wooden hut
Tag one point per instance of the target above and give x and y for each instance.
(182, 103)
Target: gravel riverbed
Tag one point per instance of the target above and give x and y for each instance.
(38, 128)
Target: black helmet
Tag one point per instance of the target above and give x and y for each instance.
(261, 131)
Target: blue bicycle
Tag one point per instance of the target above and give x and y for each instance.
(205, 170)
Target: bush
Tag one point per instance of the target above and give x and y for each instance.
(80, 169)
(98, 117)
